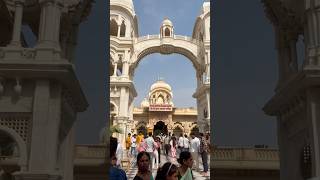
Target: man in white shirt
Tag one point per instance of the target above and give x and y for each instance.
(150, 147)
(119, 153)
(133, 151)
(186, 143)
(194, 150)
(180, 145)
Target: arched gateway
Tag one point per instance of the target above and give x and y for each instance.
(127, 49)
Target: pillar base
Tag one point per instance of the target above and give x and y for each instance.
(14, 44)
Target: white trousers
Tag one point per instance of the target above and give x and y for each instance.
(195, 157)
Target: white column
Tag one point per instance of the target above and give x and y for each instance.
(50, 23)
(115, 69)
(313, 100)
(293, 52)
(125, 69)
(208, 102)
(128, 30)
(208, 65)
(118, 35)
(312, 32)
(45, 128)
(123, 102)
(17, 23)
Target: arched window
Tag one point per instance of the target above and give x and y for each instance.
(167, 32)
(113, 28)
(8, 146)
(122, 29)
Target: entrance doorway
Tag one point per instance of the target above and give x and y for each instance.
(159, 128)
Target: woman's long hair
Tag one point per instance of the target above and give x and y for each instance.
(173, 141)
(166, 170)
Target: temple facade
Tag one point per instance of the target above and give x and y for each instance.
(158, 114)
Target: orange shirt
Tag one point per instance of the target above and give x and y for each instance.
(139, 138)
(128, 142)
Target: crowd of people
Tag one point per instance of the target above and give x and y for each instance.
(144, 153)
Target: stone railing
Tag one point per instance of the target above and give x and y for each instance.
(90, 151)
(23, 53)
(13, 54)
(148, 37)
(177, 37)
(7, 157)
(9, 160)
(245, 154)
(120, 78)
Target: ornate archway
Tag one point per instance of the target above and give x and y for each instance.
(178, 129)
(22, 147)
(160, 127)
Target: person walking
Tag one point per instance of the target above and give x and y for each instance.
(167, 145)
(140, 138)
(159, 148)
(180, 144)
(119, 154)
(186, 143)
(133, 151)
(156, 153)
(173, 149)
(128, 144)
(194, 150)
(204, 149)
(150, 147)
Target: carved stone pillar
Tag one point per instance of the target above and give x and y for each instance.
(312, 32)
(115, 69)
(118, 34)
(17, 23)
(125, 71)
(285, 47)
(49, 29)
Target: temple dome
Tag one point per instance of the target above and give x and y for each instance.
(166, 22)
(160, 84)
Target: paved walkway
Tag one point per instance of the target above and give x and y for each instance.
(133, 171)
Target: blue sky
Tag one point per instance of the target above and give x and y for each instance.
(183, 14)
